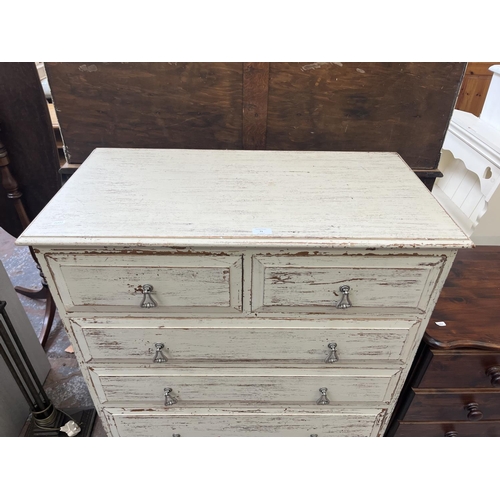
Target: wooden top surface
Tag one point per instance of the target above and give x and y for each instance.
(144, 197)
(469, 303)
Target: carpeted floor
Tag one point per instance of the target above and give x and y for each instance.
(64, 385)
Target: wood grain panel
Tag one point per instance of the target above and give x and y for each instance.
(459, 369)
(402, 107)
(147, 105)
(441, 406)
(474, 87)
(440, 429)
(255, 93)
(469, 301)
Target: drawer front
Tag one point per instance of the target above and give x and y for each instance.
(256, 385)
(137, 340)
(115, 282)
(441, 429)
(312, 284)
(454, 407)
(462, 370)
(208, 422)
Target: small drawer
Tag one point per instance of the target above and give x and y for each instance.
(292, 385)
(462, 369)
(322, 284)
(145, 340)
(244, 422)
(449, 429)
(467, 406)
(107, 282)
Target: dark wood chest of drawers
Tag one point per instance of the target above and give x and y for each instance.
(454, 385)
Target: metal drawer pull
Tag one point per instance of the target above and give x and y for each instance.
(451, 434)
(323, 400)
(159, 356)
(332, 357)
(314, 435)
(473, 412)
(147, 300)
(344, 302)
(169, 400)
(176, 435)
(494, 373)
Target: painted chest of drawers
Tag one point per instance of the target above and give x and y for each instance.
(244, 293)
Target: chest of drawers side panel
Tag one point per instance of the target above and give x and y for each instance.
(107, 423)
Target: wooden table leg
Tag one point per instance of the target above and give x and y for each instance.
(14, 193)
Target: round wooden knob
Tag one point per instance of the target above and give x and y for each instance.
(494, 373)
(473, 412)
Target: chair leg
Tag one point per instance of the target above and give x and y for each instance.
(50, 305)
(33, 294)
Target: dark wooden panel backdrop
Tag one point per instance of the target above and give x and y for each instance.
(147, 105)
(26, 131)
(402, 107)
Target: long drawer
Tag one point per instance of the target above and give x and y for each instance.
(449, 429)
(113, 282)
(245, 422)
(374, 283)
(474, 405)
(293, 385)
(138, 340)
(462, 369)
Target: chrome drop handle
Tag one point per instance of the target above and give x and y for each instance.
(169, 400)
(159, 356)
(344, 302)
(147, 300)
(332, 357)
(323, 400)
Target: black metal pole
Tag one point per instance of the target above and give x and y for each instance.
(21, 368)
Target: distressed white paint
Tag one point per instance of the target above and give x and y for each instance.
(245, 422)
(129, 340)
(236, 335)
(297, 384)
(377, 282)
(115, 282)
(326, 199)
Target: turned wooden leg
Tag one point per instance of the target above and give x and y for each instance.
(33, 294)
(50, 306)
(14, 193)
